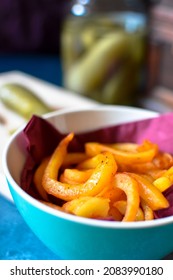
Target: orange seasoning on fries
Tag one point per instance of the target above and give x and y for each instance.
(119, 181)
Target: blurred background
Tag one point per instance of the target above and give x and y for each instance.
(115, 53)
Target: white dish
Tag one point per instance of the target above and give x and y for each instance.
(53, 95)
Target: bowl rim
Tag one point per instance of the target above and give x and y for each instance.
(66, 216)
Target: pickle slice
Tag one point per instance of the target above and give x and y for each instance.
(22, 101)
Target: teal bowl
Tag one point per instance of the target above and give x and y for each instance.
(77, 238)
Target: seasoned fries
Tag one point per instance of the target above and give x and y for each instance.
(101, 175)
(118, 181)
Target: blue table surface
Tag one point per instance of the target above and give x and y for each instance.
(17, 241)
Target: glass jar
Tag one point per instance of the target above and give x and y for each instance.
(103, 49)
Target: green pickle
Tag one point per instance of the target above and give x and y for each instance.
(102, 59)
(22, 100)
(90, 71)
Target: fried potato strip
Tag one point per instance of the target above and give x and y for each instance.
(118, 181)
(149, 193)
(130, 187)
(124, 156)
(102, 174)
(90, 207)
(121, 205)
(75, 176)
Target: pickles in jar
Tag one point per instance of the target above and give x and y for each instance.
(22, 100)
(90, 71)
(119, 89)
(96, 48)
